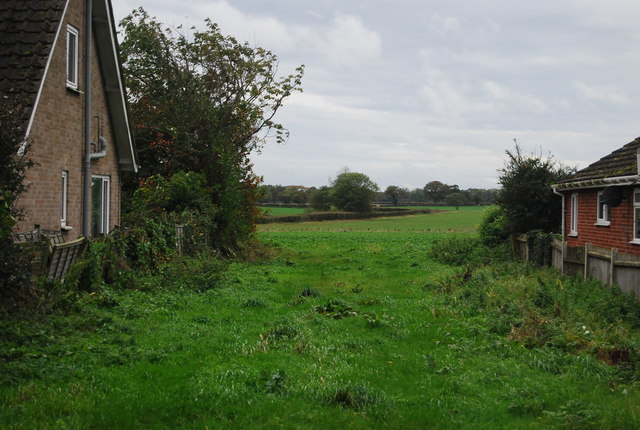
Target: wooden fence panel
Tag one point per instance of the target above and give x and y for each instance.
(62, 258)
(605, 265)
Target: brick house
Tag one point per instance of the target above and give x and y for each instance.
(602, 202)
(59, 61)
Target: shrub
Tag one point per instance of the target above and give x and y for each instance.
(526, 195)
(492, 229)
(14, 162)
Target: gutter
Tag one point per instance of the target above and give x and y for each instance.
(596, 183)
(86, 168)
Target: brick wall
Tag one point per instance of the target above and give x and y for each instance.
(58, 143)
(616, 235)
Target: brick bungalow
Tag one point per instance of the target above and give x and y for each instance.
(602, 202)
(75, 111)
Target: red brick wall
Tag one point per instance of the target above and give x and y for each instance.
(58, 143)
(616, 235)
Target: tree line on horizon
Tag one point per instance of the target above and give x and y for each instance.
(433, 193)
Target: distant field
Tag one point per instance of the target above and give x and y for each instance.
(282, 211)
(465, 220)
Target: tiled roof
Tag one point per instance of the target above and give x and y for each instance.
(27, 32)
(621, 162)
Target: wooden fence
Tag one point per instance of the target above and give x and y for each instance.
(606, 265)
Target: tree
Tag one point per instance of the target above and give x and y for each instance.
(14, 163)
(456, 199)
(436, 191)
(295, 194)
(395, 193)
(203, 103)
(526, 197)
(320, 199)
(353, 192)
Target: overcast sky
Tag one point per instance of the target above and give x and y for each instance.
(409, 91)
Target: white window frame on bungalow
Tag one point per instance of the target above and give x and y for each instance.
(100, 204)
(636, 216)
(573, 220)
(602, 217)
(63, 200)
(72, 57)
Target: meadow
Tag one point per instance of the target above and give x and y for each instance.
(359, 325)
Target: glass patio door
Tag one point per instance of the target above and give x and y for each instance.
(100, 187)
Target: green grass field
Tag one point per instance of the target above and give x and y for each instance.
(353, 325)
(273, 211)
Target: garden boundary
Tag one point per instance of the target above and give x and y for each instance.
(339, 216)
(606, 265)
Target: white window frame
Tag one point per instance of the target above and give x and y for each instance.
(636, 216)
(63, 199)
(105, 203)
(72, 57)
(603, 214)
(573, 220)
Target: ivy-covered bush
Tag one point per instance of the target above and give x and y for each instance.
(492, 229)
(14, 162)
(115, 258)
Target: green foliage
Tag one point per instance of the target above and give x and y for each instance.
(202, 102)
(436, 191)
(526, 196)
(353, 192)
(456, 199)
(14, 162)
(395, 193)
(184, 192)
(320, 199)
(492, 229)
(125, 253)
(499, 346)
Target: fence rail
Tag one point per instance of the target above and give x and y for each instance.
(606, 265)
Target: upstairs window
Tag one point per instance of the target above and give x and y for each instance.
(603, 212)
(72, 57)
(573, 224)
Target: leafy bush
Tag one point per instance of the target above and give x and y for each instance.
(182, 192)
(353, 192)
(14, 162)
(526, 195)
(492, 229)
(465, 251)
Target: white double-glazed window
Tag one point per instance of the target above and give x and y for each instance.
(72, 57)
(636, 215)
(603, 212)
(573, 222)
(100, 202)
(64, 198)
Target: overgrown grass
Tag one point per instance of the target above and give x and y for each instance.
(363, 328)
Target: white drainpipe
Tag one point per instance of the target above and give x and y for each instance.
(86, 199)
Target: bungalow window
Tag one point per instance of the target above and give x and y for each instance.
(100, 202)
(636, 215)
(573, 224)
(64, 197)
(603, 212)
(72, 57)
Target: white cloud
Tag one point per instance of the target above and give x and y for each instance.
(348, 42)
(603, 94)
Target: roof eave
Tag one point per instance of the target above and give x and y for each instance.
(105, 34)
(598, 183)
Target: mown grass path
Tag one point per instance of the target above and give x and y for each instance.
(350, 325)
